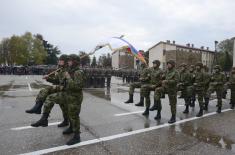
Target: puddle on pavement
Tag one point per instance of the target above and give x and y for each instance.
(101, 93)
(205, 135)
(19, 86)
(6, 87)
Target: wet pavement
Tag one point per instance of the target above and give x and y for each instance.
(108, 125)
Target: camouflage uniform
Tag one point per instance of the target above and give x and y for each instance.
(44, 93)
(74, 98)
(144, 78)
(217, 82)
(198, 86)
(183, 86)
(207, 84)
(155, 81)
(169, 86)
(191, 91)
(56, 97)
(231, 85)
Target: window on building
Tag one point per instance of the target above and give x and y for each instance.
(164, 52)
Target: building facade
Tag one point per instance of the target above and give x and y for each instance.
(122, 59)
(188, 54)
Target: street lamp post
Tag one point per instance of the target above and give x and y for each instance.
(215, 58)
(234, 52)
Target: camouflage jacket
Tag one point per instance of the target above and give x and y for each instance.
(199, 80)
(156, 76)
(217, 79)
(184, 79)
(232, 81)
(172, 77)
(145, 75)
(75, 83)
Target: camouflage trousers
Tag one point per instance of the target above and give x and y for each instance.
(205, 92)
(43, 93)
(219, 93)
(145, 92)
(187, 93)
(133, 86)
(172, 95)
(56, 98)
(232, 95)
(74, 102)
(200, 94)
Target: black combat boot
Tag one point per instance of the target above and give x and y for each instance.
(146, 112)
(36, 108)
(64, 123)
(76, 139)
(219, 109)
(224, 95)
(154, 107)
(232, 105)
(172, 120)
(141, 103)
(158, 116)
(206, 104)
(130, 100)
(186, 111)
(200, 113)
(42, 122)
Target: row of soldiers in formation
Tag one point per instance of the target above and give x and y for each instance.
(26, 70)
(191, 82)
(66, 90)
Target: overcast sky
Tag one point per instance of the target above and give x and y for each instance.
(75, 25)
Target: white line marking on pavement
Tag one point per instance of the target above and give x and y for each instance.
(30, 127)
(129, 113)
(103, 139)
(26, 77)
(30, 89)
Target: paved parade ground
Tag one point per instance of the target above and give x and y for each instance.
(109, 126)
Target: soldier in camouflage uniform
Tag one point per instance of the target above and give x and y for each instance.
(231, 85)
(217, 82)
(190, 88)
(144, 78)
(199, 84)
(207, 84)
(74, 97)
(108, 75)
(183, 86)
(44, 93)
(57, 97)
(169, 86)
(155, 81)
